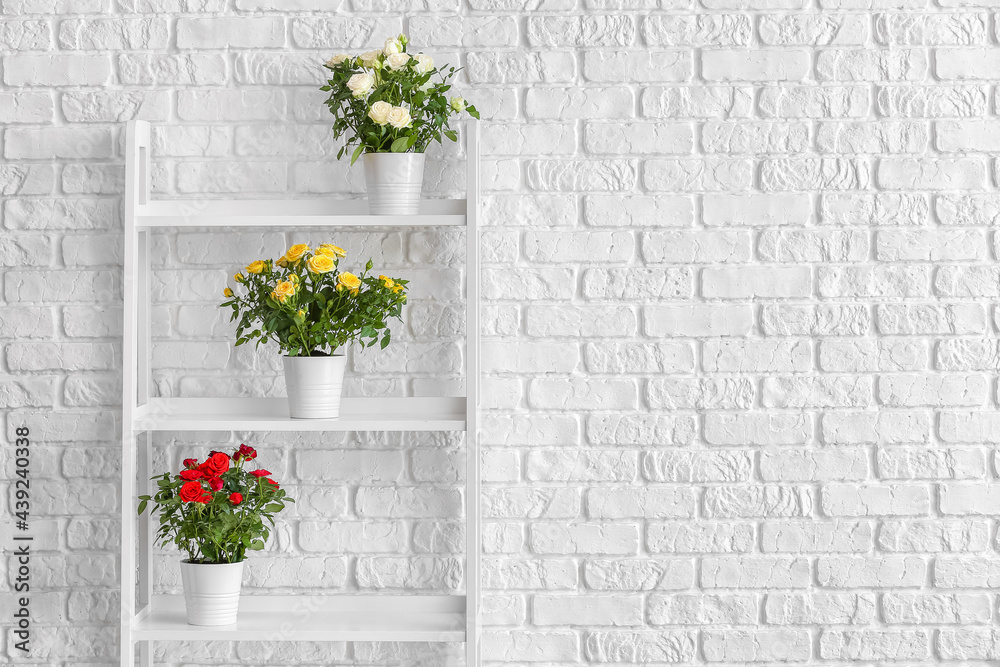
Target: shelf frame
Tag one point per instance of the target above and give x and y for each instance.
(146, 617)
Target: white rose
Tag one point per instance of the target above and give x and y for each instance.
(380, 112)
(369, 58)
(424, 63)
(397, 60)
(392, 46)
(399, 118)
(337, 59)
(361, 84)
(458, 104)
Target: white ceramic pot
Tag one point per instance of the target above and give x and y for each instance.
(314, 386)
(211, 592)
(394, 181)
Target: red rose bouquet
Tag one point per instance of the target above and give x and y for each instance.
(215, 509)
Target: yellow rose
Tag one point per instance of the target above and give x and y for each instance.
(227, 292)
(331, 250)
(283, 290)
(255, 267)
(320, 263)
(348, 280)
(387, 281)
(294, 278)
(238, 277)
(281, 261)
(296, 251)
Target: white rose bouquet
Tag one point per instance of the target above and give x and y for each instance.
(385, 101)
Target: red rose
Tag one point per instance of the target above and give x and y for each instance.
(260, 473)
(190, 463)
(245, 453)
(273, 483)
(205, 499)
(190, 475)
(216, 464)
(191, 492)
(236, 498)
(215, 483)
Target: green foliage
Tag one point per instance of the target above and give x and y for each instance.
(215, 529)
(412, 85)
(309, 308)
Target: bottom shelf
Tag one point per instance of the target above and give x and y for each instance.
(409, 618)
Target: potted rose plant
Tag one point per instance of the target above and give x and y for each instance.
(311, 309)
(388, 105)
(215, 511)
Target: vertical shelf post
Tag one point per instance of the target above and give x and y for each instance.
(473, 550)
(135, 387)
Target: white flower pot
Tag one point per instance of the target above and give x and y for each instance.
(314, 386)
(211, 592)
(394, 181)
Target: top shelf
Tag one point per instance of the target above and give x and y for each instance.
(323, 212)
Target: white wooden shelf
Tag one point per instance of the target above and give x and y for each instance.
(146, 617)
(315, 618)
(321, 212)
(271, 414)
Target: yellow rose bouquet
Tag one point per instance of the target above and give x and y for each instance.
(303, 302)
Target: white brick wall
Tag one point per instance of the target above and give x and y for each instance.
(740, 344)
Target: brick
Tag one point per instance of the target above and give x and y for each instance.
(751, 356)
(813, 466)
(583, 103)
(698, 320)
(756, 645)
(684, 247)
(642, 646)
(875, 645)
(645, 65)
(900, 64)
(617, 610)
(221, 33)
(754, 137)
(688, 466)
(696, 102)
(834, 320)
(942, 390)
(927, 174)
(883, 500)
(692, 537)
(755, 65)
(56, 70)
(819, 608)
(639, 574)
(879, 209)
(696, 175)
(813, 30)
(813, 102)
(637, 138)
(812, 246)
(933, 536)
(931, 101)
(697, 31)
(744, 572)
(756, 210)
(754, 282)
(869, 572)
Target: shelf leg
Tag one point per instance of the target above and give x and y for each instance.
(144, 535)
(145, 654)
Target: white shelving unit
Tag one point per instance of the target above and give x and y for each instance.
(405, 618)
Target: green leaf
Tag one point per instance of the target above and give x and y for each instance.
(142, 507)
(399, 145)
(357, 153)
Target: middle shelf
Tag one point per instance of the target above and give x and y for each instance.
(271, 414)
(404, 618)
